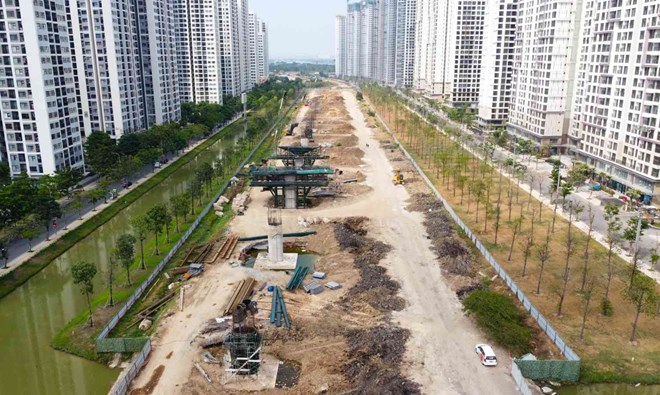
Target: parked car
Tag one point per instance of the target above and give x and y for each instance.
(157, 165)
(486, 354)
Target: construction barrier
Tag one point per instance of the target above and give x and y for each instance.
(120, 344)
(123, 382)
(568, 370)
(549, 369)
(520, 380)
(134, 367)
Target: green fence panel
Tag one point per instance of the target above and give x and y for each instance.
(120, 344)
(554, 370)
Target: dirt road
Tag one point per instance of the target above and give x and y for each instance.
(441, 348)
(440, 352)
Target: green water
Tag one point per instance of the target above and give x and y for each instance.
(609, 389)
(31, 315)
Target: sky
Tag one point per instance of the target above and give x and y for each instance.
(299, 28)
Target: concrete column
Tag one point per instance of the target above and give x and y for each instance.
(290, 193)
(275, 243)
(304, 142)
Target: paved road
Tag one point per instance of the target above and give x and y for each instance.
(541, 170)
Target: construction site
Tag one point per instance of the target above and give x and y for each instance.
(328, 280)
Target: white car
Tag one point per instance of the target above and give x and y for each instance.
(486, 354)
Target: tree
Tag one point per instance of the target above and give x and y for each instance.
(78, 203)
(7, 235)
(156, 218)
(47, 208)
(569, 252)
(96, 195)
(29, 228)
(544, 255)
(517, 224)
(643, 294)
(194, 189)
(100, 153)
(611, 216)
(66, 178)
(586, 297)
(83, 274)
(179, 207)
(141, 228)
(529, 243)
(579, 173)
(5, 174)
(205, 175)
(125, 252)
(112, 262)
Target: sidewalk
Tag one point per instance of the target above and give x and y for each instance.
(646, 241)
(88, 212)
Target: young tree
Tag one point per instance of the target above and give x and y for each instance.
(634, 230)
(96, 195)
(29, 228)
(83, 274)
(591, 216)
(193, 190)
(124, 252)
(527, 249)
(643, 294)
(100, 152)
(569, 251)
(112, 262)
(586, 297)
(156, 218)
(611, 216)
(544, 255)
(516, 225)
(141, 228)
(77, 204)
(7, 235)
(179, 207)
(46, 209)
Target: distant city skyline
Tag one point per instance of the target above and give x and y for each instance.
(300, 29)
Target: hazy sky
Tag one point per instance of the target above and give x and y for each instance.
(300, 28)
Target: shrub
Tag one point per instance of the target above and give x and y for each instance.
(371, 113)
(499, 316)
(359, 96)
(606, 308)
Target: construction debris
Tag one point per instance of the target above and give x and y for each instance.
(239, 204)
(333, 285)
(313, 288)
(207, 357)
(201, 370)
(297, 278)
(278, 314)
(145, 324)
(242, 291)
(318, 275)
(264, 237)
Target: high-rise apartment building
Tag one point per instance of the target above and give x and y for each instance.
(340, 45)
(243, 44)
(199, 51)
(497, 63)
(375, 40)
(230, 48)
(615, 123)
(263, 68)
(546, 50)
(448, 49)
(124, 60)
(257, 50)
(37, 88)
(404, 62)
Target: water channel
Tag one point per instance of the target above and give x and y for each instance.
(32, 314)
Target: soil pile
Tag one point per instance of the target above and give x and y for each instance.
(377, 354)
(451, 250)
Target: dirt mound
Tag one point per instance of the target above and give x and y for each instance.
(453, 253)
(375, 355)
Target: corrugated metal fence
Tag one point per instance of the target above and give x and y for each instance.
(520, 380)
(103, 344)
(565, 372)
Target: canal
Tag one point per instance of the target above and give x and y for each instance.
(31, 315)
